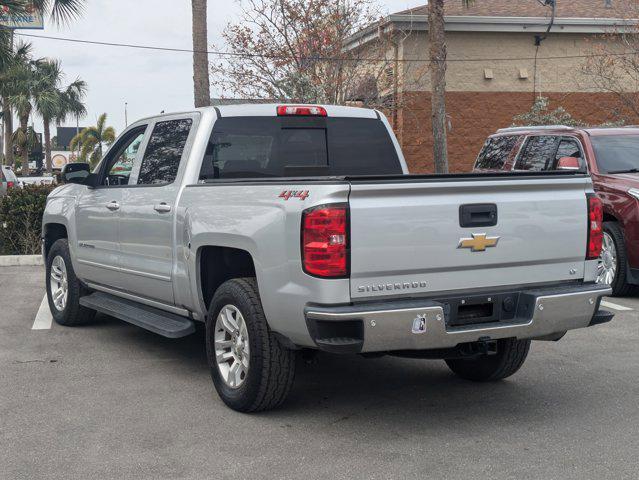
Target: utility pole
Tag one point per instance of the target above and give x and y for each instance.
(77, 132)
(126, 115)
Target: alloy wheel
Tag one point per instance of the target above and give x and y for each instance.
(232, 352)
(607, 266)
(58, 283)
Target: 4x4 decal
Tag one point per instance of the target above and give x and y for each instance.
(301, 194)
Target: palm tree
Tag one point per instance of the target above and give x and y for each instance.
(23, 82)
(60, 12)
(91, 140)
(437, 40)
(200, 56)
(8, 65)
(52, 103)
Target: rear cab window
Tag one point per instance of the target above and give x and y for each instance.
(257, 147)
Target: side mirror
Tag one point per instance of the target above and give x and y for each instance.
(570, 163)
(75, 173)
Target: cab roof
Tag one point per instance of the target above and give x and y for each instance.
(270, 110)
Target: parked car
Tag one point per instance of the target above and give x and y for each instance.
(285, 227)
(610, 156)
(8, 180)
(41, 180)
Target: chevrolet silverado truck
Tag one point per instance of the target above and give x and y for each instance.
(287, 228)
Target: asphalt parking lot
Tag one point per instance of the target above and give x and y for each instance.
(112, 401)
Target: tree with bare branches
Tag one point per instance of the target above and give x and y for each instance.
(613, 67)
(295, 50)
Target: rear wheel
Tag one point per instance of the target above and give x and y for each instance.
(611, 269)
(64, 289)
(511, 355)
(250, 368)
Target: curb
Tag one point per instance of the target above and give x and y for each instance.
(21, 260)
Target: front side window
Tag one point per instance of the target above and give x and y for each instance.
(164, 152)
(120, 160)
(538, 154)
(616, 153)
(496, 152)
(569, 147)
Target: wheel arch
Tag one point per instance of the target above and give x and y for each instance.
(609, 217)
(217, 264)
(52, 232)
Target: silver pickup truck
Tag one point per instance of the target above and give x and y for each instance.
(287, 228)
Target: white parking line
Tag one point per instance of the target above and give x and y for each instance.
(614, 306)
(43, 318)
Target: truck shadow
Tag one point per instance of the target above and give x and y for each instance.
(383, 393)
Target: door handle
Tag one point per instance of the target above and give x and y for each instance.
(113, 206)
(162, 208)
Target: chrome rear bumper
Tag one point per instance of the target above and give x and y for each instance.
(423, 325)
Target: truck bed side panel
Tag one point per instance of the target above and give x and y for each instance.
(253, 217)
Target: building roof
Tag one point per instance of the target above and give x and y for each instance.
(532, 8)
(572, 16)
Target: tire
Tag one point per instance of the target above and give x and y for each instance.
(68, 313)
(511, 354)
(620, 285)
(267, 367)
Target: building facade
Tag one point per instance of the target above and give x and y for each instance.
(501, 57)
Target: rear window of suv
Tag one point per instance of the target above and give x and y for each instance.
(253, 147)
(496, 152)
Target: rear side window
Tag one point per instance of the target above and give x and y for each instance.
(253, 147)
(538, 154)
(1, 175)
(164, 152)
(496, 152)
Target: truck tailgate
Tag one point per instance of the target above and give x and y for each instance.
(407, 238)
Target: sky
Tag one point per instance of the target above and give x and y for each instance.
(148, 81)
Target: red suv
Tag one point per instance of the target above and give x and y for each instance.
(610, 156)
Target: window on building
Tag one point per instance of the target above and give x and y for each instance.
(164, 152)
(496, 152)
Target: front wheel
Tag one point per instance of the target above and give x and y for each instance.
(250, 368)
(511, 355)
(64, 289)
(611, 269)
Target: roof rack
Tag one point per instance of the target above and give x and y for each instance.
(535, 127)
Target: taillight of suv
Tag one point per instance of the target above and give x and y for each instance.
(325, 241)
(595, 227)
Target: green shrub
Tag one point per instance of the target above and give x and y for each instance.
(21, 219)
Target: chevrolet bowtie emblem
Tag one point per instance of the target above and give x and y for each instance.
(479, 243)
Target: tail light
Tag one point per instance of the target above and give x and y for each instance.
(325, 241)
(595, 227)
(10, 185)
(301, 111)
